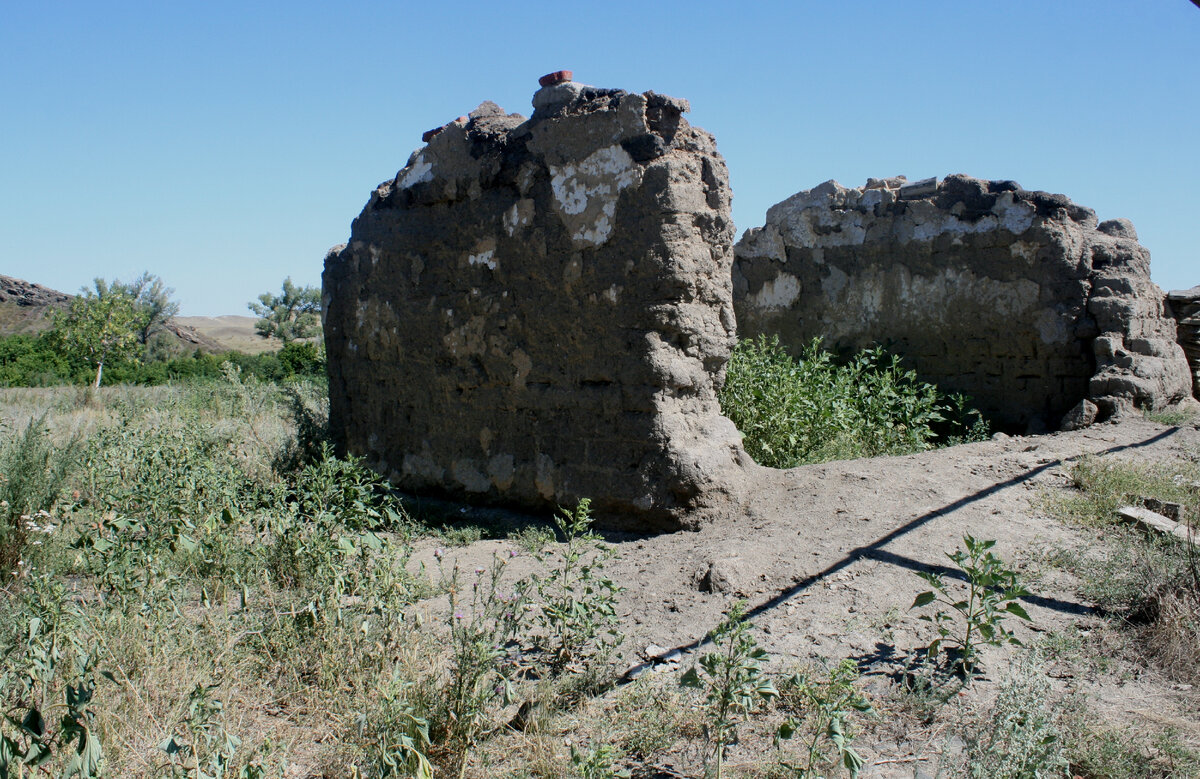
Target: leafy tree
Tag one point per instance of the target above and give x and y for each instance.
(293, 315)
(152, 301)
(99, 326)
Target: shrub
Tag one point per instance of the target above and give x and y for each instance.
(811, 409)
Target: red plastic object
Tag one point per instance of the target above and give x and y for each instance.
(557, 77)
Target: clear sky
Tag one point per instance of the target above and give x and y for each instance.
(226, 145)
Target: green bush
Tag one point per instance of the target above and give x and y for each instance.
(39, 361)
(812, 409)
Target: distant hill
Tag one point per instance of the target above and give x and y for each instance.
(25, 308)
(231, 331)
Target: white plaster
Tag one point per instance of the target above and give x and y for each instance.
(780, 292)
(520, 215)
(586, 193)
(419, 172)
(486, 258)
(1015, 216)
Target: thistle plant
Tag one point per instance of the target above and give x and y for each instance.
(733, 683)
(577, 606)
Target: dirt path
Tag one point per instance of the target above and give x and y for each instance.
(825, 551)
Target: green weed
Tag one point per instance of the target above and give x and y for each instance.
(732, 681)
(977, 620)
(1018, 735)
(820, 709)
(483, 619)
(577, 604)
(33, 476)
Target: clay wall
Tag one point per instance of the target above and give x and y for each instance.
(1017, 298)
(533, 311)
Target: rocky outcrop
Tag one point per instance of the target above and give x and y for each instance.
(23, 293)
(533, 311)
(1184, 306)
(1017, 298)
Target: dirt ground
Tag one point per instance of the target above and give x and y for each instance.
(827, 555)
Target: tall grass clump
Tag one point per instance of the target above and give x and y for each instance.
(811, 408)
(33, 475)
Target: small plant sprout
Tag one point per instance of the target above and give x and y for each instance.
(992, 593)
(733, 683)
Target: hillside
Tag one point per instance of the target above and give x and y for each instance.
(230, 331)
(25, 307)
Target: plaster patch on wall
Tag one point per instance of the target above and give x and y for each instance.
(486, 258)
(520, 215)
(500, 468)
(419, 172)
(586, 193)
(468, 475)
(779, 292)
(544, 480)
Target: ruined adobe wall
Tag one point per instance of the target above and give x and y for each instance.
(1184, 306)
(536, 311)
(1017, 298)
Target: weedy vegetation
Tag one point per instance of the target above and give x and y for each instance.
(196, 585)
(1148, 584)
(820, 709)
(812, 408)
(732, 682)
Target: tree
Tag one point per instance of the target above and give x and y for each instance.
(295, 314)
(152, 302)
(99, 326)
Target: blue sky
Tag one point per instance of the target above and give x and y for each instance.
(226, 145)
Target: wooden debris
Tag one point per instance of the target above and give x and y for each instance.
(1150, 520)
